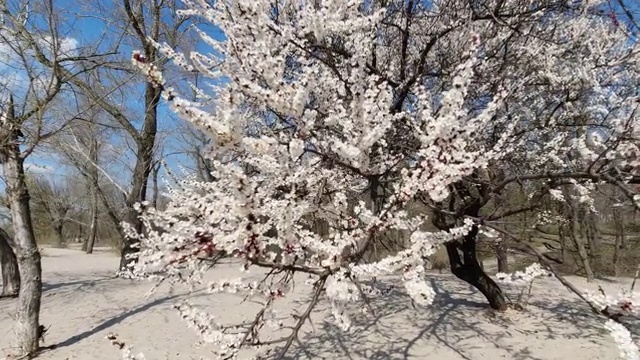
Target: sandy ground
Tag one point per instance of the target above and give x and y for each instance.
(83, 302)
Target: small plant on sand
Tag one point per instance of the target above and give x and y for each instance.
(521, 283)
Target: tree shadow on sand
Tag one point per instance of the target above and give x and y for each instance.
(459, 325)
(123, 315)
(67, 288)
(108, 323)
(76, 285)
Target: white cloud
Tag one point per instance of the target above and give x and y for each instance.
(66, 46)
(15, 77)
(39, 169)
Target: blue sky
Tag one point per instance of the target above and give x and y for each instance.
(88, 29)
(622, 16)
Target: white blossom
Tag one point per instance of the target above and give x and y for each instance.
(522, 278)
(628, 349)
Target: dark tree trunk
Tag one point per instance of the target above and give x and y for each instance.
(57, 229)
(464, 265)
(93, 227)
(145, 140)
(462, 253)
(594, 233)
(141, 174)
(9, 263)
(619, 240)
(130, 244)
(94, 187)
(563, 244)
(156, 188)
(502, 256)
(205, 168)
(28, 311)
(578, 241)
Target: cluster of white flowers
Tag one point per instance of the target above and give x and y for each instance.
(548, 217)
(211, 332)
(416, 287)
(622, 337)
(620, 306)
(154, 75)
(522, 278)
(522, 281)
(340, 288)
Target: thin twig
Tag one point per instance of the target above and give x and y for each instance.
(365, 298)
(635, 277)
(304, 317)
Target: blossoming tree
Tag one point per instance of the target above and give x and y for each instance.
(341, 113)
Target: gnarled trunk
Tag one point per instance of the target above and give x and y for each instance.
(465, 265)
(28, 312)
(9, 263)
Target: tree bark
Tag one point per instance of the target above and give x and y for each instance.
(28, 312)
(156, 188)
(579, 242)
(9, 263)
(502, 256)
(564, 254)
(595, 238)
(145, 140)
(94, 185)
(141, 173)
(468, 269)
(204, 168)
(619, 242)
(93, 227)
(57, 229)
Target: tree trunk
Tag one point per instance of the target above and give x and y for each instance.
(57, 229)
(595, 236)
(9, 263)
(619, 242)
(141, 173)
(93, 227)
(564, 255)
(620, 223)
(94, 184)
(28, 310)
(467, 268)
(579, 243)
(594, 240)
(156, 194)
(204, 168)
(502, 256)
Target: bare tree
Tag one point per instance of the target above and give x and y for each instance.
(28, 256)
(31, 36)
(195, 144)
(56, 200)
(141, 23)
(149, 24)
